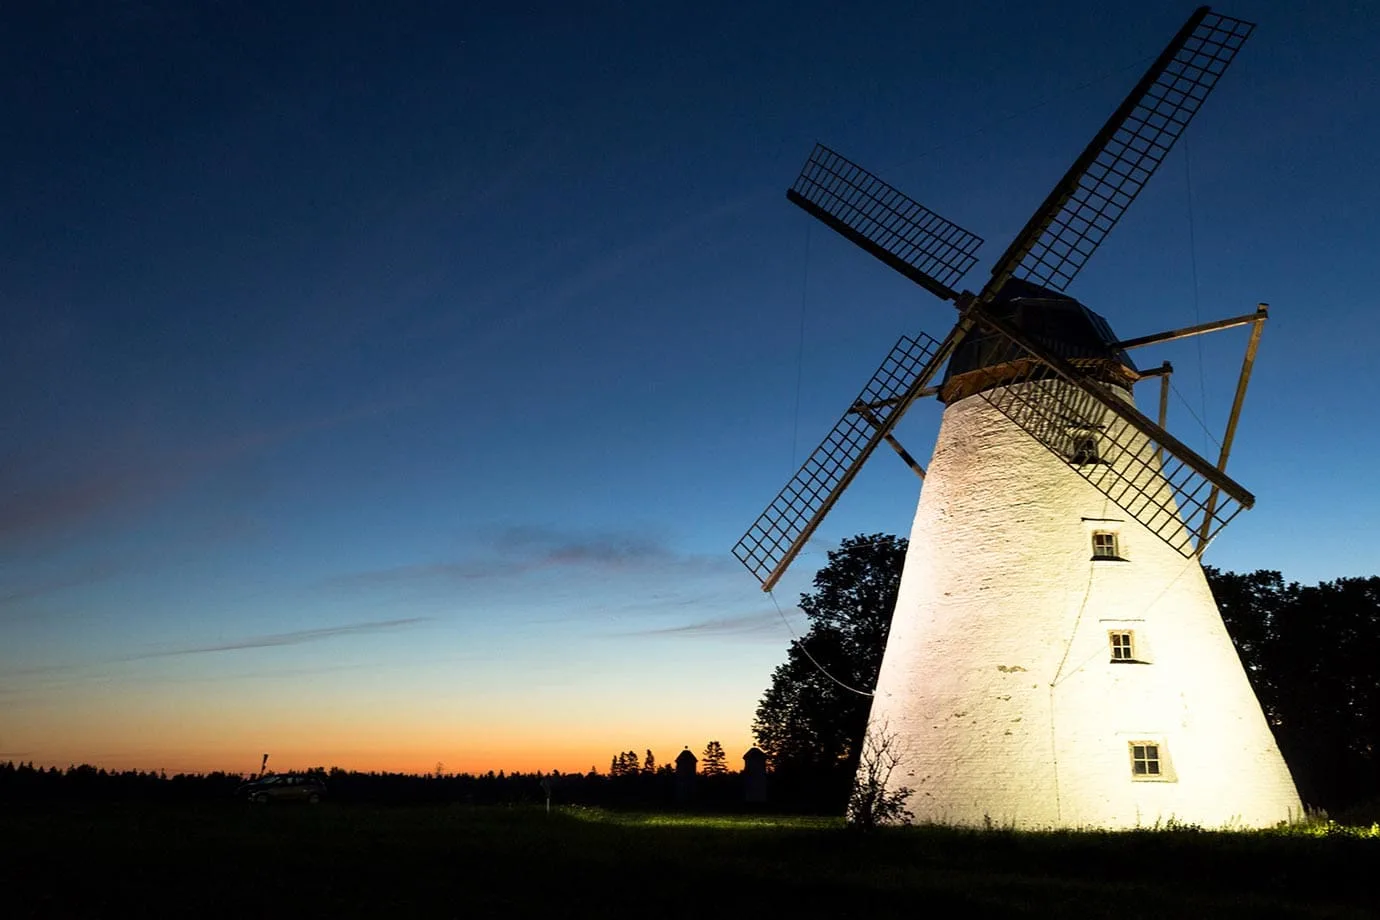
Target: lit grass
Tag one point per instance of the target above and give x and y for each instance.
(693, 820)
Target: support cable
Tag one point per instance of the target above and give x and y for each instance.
(1193, 263)
(1054, 682)
(800, 348)
(1207, 432)
(801, 644)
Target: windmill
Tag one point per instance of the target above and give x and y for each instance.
(1056, 657)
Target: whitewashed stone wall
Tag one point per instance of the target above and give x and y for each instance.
(997, 681)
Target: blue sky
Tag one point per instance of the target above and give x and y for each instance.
(388, 386)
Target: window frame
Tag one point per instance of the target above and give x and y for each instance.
(1159, 761)
(1115, 555)
(1129, 647)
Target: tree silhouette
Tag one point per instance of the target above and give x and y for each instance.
(624, 763)
(1311, 654)
(649, 763)
(713, 763)
(874, 801)
(809, 725)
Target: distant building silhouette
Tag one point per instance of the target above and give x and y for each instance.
(685, 775)
(754, 775)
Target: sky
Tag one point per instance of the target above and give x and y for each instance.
(387, 384)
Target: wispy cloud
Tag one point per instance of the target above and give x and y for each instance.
(273, 640)
(100, 668)
(544, 547)
(61, 487)
(54, 504)
(79, 576)
(37, 669)
(766, 623)
(514, 551)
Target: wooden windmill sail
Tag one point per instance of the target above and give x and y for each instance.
(1056, 657)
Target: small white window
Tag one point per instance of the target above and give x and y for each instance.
(1145, 760)
(1104, 545)
(1123, 645)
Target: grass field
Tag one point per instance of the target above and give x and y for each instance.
(458, 861)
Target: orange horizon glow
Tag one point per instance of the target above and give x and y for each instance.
(291, 759)
(469, 720)
(365, 748)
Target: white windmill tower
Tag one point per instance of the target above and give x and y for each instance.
(1056, 658)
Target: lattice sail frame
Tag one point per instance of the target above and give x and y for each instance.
(1151, 475)
(1050, 250)
(1087, 203)
(781, 531)
(930, 250)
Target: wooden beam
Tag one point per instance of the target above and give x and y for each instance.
(905, 456)
(1262, 313)
(1166, 368)
(922, 393)
(933, 285)
(1187, 331)
(866, 412)
(1163, 370)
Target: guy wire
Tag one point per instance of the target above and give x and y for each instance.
(801, 644)
(1193, 263)
(800, 347)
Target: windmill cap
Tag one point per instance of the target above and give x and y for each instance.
(1055, 320)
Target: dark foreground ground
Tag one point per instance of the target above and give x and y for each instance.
(457, 861)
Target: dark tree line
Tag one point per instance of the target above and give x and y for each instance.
(24, 782)
(1312, 654)
(657, 788)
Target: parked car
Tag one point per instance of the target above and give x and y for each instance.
(283, 787)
